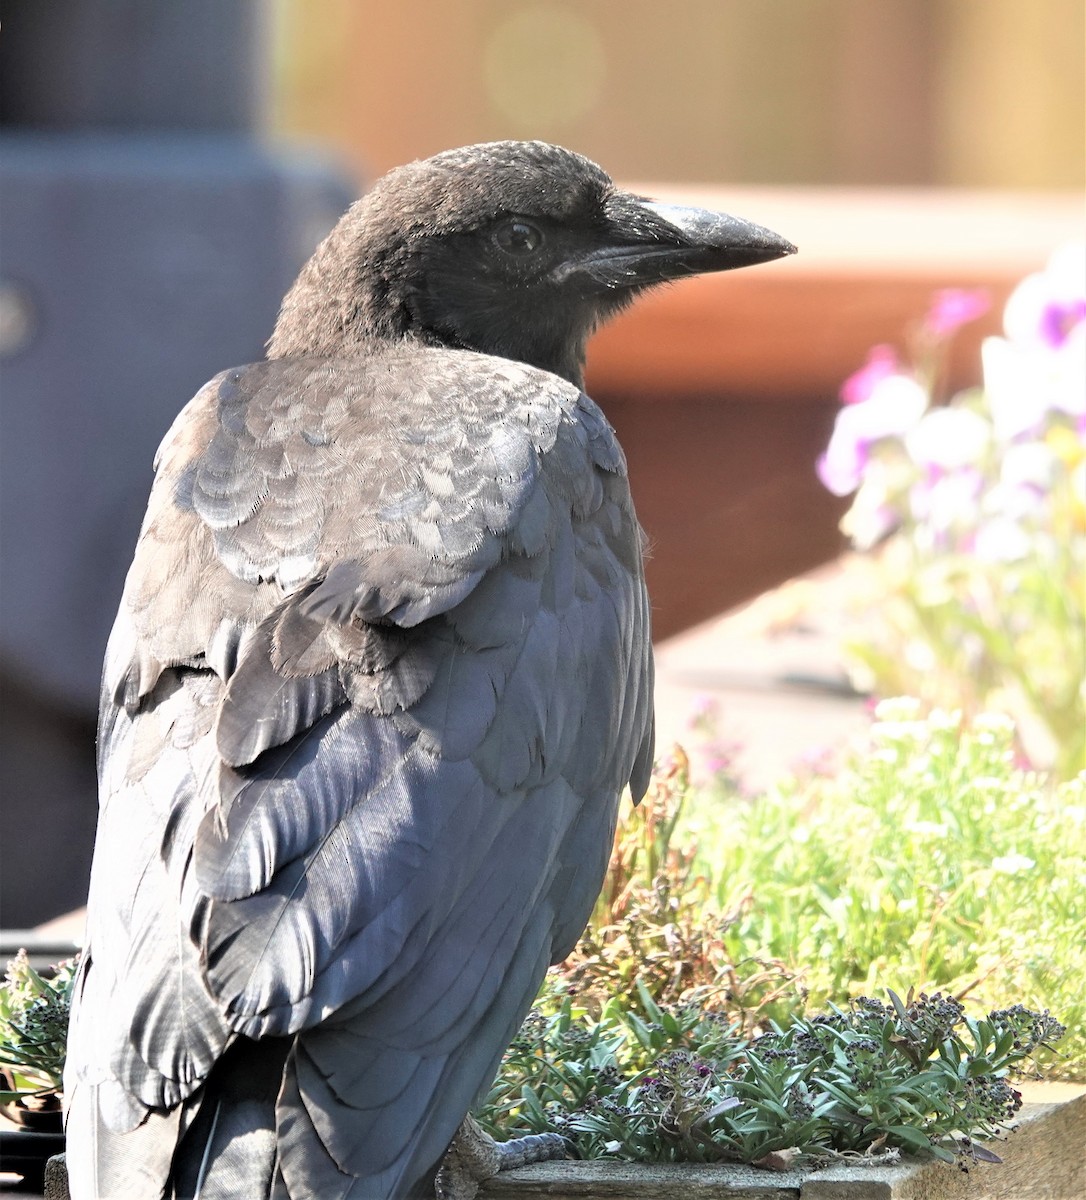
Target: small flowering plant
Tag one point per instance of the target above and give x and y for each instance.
(915, 1075)
(978, 509)
(33, 1028)
(720, 1006)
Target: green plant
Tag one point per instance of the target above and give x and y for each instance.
(656, 931)
(34, 1027)
(929, 858)
(684, 1085)
(682, 1028)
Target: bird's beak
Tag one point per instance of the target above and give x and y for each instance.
(649, 243)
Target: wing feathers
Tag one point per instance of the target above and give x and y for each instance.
(380, 673)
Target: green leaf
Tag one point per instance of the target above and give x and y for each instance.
(652, 1009)
(846, 1098)
(910, 1138)
(899, 1006)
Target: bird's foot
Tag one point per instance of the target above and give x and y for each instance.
(533, 1148)
(474, 1156)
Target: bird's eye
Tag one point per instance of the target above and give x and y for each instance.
(518, 237)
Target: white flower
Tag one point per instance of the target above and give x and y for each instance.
(1046, 306)
(895, 404)
(948, 438)
(873, 514)
(949, 502)
(1015, 385)
(1012, 864)
(1041, 364)
(1002, 540)
(865, 525)
(994, 722)
(1028, 464)
(1069, 372)
(1015, 501)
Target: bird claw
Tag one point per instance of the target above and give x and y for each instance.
(475, 1156)
(535, 1147)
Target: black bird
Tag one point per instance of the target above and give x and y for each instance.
(380, 672)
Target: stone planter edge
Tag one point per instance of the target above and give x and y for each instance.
(1044, 1159)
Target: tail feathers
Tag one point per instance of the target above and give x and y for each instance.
(228, 1153)
(229, 1149)
(379, 1166)
(104, 1164)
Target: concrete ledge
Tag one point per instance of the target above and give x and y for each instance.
(605, 1180)
(1044, 1159)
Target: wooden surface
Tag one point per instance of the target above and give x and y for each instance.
(726, 490)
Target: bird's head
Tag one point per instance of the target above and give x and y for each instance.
(518, 249)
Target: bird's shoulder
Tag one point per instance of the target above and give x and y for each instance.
(393, 481)
(402, 402)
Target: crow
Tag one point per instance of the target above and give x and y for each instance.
(381, 671)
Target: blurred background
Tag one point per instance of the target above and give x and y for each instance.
(167, 168)
(955, 93)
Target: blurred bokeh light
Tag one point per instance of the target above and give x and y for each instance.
(951, 92)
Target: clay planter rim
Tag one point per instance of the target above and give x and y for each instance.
(43, 1115)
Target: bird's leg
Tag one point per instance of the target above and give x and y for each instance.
(474, 1156)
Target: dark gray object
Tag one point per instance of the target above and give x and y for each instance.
(146, 238)
(141, 264)
(130, 65)
(380, 673)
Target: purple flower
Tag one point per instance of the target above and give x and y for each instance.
(1058, 319)
(882, 362)
(891, 407)
(952, 308)
(1045, 308)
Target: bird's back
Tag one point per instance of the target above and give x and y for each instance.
(379, 675)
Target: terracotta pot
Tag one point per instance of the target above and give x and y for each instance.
(42, 1114)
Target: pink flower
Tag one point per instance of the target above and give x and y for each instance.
(952, 308)
(882, 362)
(892, 406)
